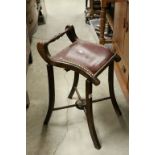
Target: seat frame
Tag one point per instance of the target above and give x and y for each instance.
(82, 104)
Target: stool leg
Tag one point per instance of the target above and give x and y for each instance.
(75, 83)
(27, 100)
(51, 93)
(89, 115)
(111, 88)
(30, 58)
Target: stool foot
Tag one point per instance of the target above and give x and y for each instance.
(27, 100)
(111, 89)
(89, 115)
(30, 58)
(75, 83)
(51, 93)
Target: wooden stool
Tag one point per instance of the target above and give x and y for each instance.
(87, 59)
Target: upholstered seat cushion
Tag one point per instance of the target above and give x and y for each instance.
(88, 56)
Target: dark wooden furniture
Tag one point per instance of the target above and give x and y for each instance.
(28, 59)
(42, 12)
(84, 58)
(31, 17)
(35, 15)
(31, 24)
(92, 9)
(31, 27)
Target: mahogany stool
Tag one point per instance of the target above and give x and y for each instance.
(87, 59)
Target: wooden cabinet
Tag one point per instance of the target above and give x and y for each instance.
(121, 43)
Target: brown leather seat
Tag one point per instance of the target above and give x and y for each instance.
(88, 58)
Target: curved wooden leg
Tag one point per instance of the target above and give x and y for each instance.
(111, 88)
(89, 115)
(27, 100)
(51, 93)
(75, 83)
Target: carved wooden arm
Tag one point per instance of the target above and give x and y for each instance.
(43, 47)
